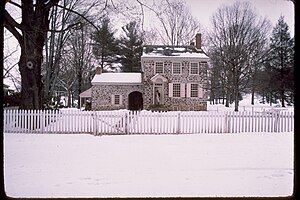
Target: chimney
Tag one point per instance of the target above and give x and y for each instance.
(198, 40)
(98, 70)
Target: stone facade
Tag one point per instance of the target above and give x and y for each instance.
(103, 95)
(153, 81)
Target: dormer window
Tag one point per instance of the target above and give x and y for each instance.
(159, 68)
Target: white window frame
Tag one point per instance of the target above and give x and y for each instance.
(182, 90)
(177, 91)
(156, 65)
(195, 68)
(173, 71)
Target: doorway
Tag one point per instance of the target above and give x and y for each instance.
(135, 101)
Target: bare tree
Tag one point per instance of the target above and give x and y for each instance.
(236, 38)
(178, 25)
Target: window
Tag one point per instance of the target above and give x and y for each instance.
(159, 67)
(194, 69)
(176, 90)
(194, 90)
(117, 99)
(176, 68)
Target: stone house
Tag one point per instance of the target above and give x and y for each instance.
(172, 78)
(113, 91)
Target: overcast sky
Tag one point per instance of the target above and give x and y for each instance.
(272, 9)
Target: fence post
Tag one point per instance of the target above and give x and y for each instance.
(178, 123)
(42, 113)
(94, 114)
(226, 123)
(276, 121)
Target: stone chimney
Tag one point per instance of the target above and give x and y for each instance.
(98, 70)
(198, 40)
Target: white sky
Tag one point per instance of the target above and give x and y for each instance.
(271, 9)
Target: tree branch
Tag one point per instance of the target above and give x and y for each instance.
(77, 13)
(12, 26)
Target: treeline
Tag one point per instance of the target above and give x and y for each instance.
(246, 58)
(62, 42)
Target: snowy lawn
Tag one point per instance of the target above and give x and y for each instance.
(210, 165)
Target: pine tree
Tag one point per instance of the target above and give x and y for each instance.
(131, 48)
(282, 60)
(105, 46)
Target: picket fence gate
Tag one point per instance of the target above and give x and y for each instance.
(145, 122)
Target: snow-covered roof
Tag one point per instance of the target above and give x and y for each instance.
(86, 94)
(175, 51)
(117, 78)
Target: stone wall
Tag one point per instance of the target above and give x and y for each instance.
(102, 96)
(174, 103)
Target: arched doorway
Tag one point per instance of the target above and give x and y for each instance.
(135, 101)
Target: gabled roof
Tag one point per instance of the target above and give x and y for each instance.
(158, 78)
(117, 79)
(173, 51)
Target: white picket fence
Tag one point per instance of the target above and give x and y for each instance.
(145, 122)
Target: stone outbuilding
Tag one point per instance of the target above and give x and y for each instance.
(112, 91)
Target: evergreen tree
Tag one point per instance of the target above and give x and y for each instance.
(105, 46)
(131, 48)
(282, 61)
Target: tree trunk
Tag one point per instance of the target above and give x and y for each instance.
(35, 25)
(252, 96)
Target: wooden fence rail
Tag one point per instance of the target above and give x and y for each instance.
(145, 122)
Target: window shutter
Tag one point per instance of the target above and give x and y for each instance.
(200, 91)
(112, 99)
(170, 89)
(182, 90)
(121, 99)
(188, 92)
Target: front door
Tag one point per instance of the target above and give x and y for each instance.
(158, 94)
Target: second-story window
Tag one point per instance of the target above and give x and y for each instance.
(194, 69)
(176, 68)
(159, 67)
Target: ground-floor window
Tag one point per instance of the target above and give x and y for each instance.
(194, 90)
(176, 89)
(116, 99)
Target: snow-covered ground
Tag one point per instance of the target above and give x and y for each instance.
(190, 165)
(210, 165)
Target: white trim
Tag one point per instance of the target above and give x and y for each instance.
(158, 76)
(170, 89)
(182, 89)
(112, 99)
(188, 92)
(200, 91)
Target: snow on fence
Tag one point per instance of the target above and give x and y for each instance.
(145, 122)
